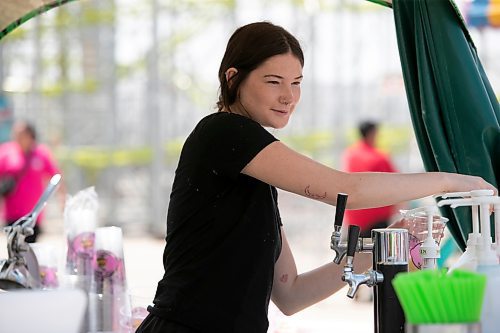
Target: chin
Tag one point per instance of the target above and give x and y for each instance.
(279, 125)
(276, 123)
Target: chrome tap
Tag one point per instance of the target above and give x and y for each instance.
(390, 257)
(337, 243)
(370, 278)
(390, 252)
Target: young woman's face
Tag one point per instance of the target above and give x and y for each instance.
(270, 92)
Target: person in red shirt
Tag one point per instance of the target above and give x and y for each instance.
(361, 157)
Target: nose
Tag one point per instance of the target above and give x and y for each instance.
(284, 100)
(286, 96)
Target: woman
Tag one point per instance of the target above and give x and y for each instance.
(226, 253)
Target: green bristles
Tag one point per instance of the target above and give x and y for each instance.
(434, 297)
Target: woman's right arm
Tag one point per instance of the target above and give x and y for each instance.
(291, 171)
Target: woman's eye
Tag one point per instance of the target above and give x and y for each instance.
(296, 83)
(273, 82)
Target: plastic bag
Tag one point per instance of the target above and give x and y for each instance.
(80, 222)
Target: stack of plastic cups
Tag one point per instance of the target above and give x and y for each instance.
(81, 225)
(109, 305)
(80, 235)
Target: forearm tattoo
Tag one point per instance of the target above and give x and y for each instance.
(313, 195)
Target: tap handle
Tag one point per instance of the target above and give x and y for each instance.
(352, 240)
(340, 208)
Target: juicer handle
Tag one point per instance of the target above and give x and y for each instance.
(29, 220)
(473, 193)
(352, 240)
(340, 209)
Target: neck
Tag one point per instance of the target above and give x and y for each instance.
(28, 149)
(238, 108)
(370, 143)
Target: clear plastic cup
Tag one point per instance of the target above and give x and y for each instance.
(136, 310)
(415, 221)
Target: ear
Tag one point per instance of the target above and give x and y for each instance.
(229, 74)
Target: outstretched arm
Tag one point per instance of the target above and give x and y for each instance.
(286, 169)
(292, 293)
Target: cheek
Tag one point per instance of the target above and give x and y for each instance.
(249, 99)
(248, 92)
(297, 95)
(259, 97)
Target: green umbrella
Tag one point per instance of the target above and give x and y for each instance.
(454, 111)
(13, 13)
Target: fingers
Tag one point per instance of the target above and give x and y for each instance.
(483, 184)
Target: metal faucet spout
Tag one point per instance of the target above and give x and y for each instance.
(370, 278)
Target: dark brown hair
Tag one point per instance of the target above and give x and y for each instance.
(248, 47)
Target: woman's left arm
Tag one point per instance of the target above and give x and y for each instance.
(294, 292)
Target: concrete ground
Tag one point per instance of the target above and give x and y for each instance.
(308, 226)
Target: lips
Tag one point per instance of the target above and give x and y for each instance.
(280, 111)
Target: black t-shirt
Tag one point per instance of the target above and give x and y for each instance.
(223, 231)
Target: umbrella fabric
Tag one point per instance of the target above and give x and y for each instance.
(482, 13)
(386, 3)
(13, 13)
(454, 111)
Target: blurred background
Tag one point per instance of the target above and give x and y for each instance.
(115, 86)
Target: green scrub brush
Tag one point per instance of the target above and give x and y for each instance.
(434, 297)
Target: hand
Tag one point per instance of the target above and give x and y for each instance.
(465, 183)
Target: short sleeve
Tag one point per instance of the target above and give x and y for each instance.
(274, 193)
(228, 142)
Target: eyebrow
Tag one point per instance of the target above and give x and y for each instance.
(281, 77)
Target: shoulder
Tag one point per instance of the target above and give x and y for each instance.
(43, 151)
(354, 150)
(8, 145)
(382, 154)
(9, 148)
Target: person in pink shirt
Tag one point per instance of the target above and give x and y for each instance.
(32, 165)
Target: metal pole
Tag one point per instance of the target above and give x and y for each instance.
(153, 111)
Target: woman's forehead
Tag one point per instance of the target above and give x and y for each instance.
(283, 63)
